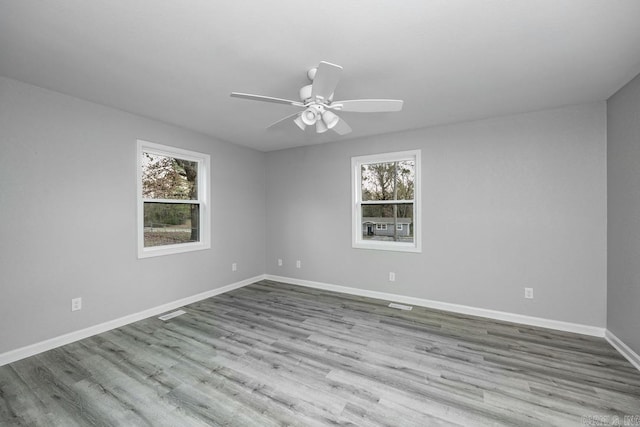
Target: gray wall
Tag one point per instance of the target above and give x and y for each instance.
(68, 216)
(507, 203)
(623, 181)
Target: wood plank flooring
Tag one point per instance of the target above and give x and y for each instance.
(274, 354)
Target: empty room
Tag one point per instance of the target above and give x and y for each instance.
(364, 213)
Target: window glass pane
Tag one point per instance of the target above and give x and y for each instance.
(169, 177)
(170, 223)
(388, 222)
(388, 181)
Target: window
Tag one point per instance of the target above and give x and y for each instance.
(173, 211)
(386, 190)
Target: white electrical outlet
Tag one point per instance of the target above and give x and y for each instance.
(279, 262)
(528, 293)
(234, 266)
(76, 304)
(392, 276)
(298, 264)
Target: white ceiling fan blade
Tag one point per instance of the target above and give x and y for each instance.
(325, 80)
(368, 105)
(266, 99)
(341, 128)
(282, 120)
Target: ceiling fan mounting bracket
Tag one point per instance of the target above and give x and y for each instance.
(311, 74)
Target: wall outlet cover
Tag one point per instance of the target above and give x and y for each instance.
(76, 304)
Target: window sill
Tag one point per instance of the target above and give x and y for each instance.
(387, 246)
(172, 249)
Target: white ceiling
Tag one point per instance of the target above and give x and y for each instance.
(450, 60)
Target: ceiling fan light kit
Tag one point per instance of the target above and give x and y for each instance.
(317, 101)
(330, 119)
(298, 121)
(310, 115)
(321, 127)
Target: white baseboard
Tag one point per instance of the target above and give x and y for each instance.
(623, 349)
(456, 308)
(33, 349)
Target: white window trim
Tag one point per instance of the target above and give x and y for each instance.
(204, 165)
(399, 227)
(356, 198)
(381, 227)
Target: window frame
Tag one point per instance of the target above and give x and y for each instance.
(204, 165)
(357, 242)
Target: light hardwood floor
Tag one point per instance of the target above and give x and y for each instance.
(277, 354)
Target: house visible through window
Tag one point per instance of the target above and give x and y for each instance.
(173, 214)
(386, 201)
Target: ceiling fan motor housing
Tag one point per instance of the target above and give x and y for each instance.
(305, 93)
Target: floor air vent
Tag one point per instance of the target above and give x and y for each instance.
(400, 306)
(171, 315)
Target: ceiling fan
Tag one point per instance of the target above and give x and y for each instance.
(318, 105)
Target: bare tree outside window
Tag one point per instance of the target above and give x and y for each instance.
(166, 183)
